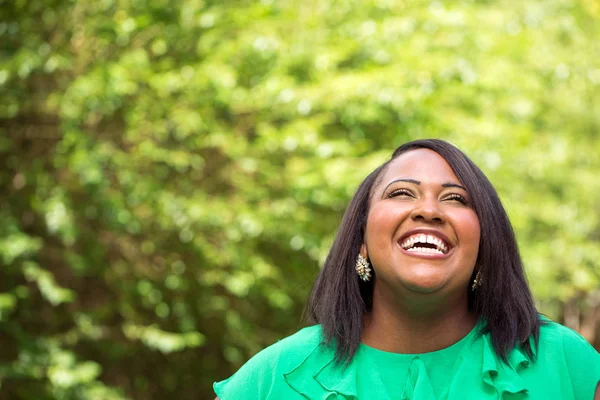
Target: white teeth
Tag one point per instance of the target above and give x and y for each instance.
(408, 244)
(424, 250)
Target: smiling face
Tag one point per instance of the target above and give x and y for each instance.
(422, 234)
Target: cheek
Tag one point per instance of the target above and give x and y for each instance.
(471, 232)
(383, 220)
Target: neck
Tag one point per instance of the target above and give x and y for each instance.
(419, 325)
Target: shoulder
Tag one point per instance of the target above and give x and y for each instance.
(262, 372)
(290, 350)
(299, 341)
(566, 350)
(557, 335)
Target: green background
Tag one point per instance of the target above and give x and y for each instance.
(173, 171)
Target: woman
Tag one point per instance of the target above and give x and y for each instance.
(423, 296)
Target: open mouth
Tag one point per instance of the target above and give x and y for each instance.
(425, 243)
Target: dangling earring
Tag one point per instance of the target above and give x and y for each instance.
(362, 268)
(477, 280)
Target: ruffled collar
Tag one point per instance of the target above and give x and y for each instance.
(319, 377)
(325, 381)
(505, 378)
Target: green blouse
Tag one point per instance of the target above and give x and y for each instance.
(567, 367)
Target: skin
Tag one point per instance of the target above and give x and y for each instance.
(419, 303)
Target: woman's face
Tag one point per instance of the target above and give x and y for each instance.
(422, 234)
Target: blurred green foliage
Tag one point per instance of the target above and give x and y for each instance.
(173, 172)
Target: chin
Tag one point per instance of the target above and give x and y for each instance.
(424, 287)
(426, 284)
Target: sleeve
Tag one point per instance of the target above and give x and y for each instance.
(253, 381)
(583, 362)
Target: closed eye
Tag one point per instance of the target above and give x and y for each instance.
(400, 192)
(457, 197)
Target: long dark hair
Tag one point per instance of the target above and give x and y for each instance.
(340, 299)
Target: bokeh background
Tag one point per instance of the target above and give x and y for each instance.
(173, 171)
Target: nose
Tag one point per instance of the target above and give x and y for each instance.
(427, 210)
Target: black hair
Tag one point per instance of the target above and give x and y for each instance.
(340, 299)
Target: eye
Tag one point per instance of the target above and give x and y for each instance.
(400, 192)
(455, 196)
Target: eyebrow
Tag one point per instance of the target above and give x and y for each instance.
(416, 182)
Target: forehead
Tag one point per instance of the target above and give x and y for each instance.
(423, 165)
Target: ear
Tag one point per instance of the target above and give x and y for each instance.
(363, 251)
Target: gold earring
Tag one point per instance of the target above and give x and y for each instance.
(477, 280)
(362, 268)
